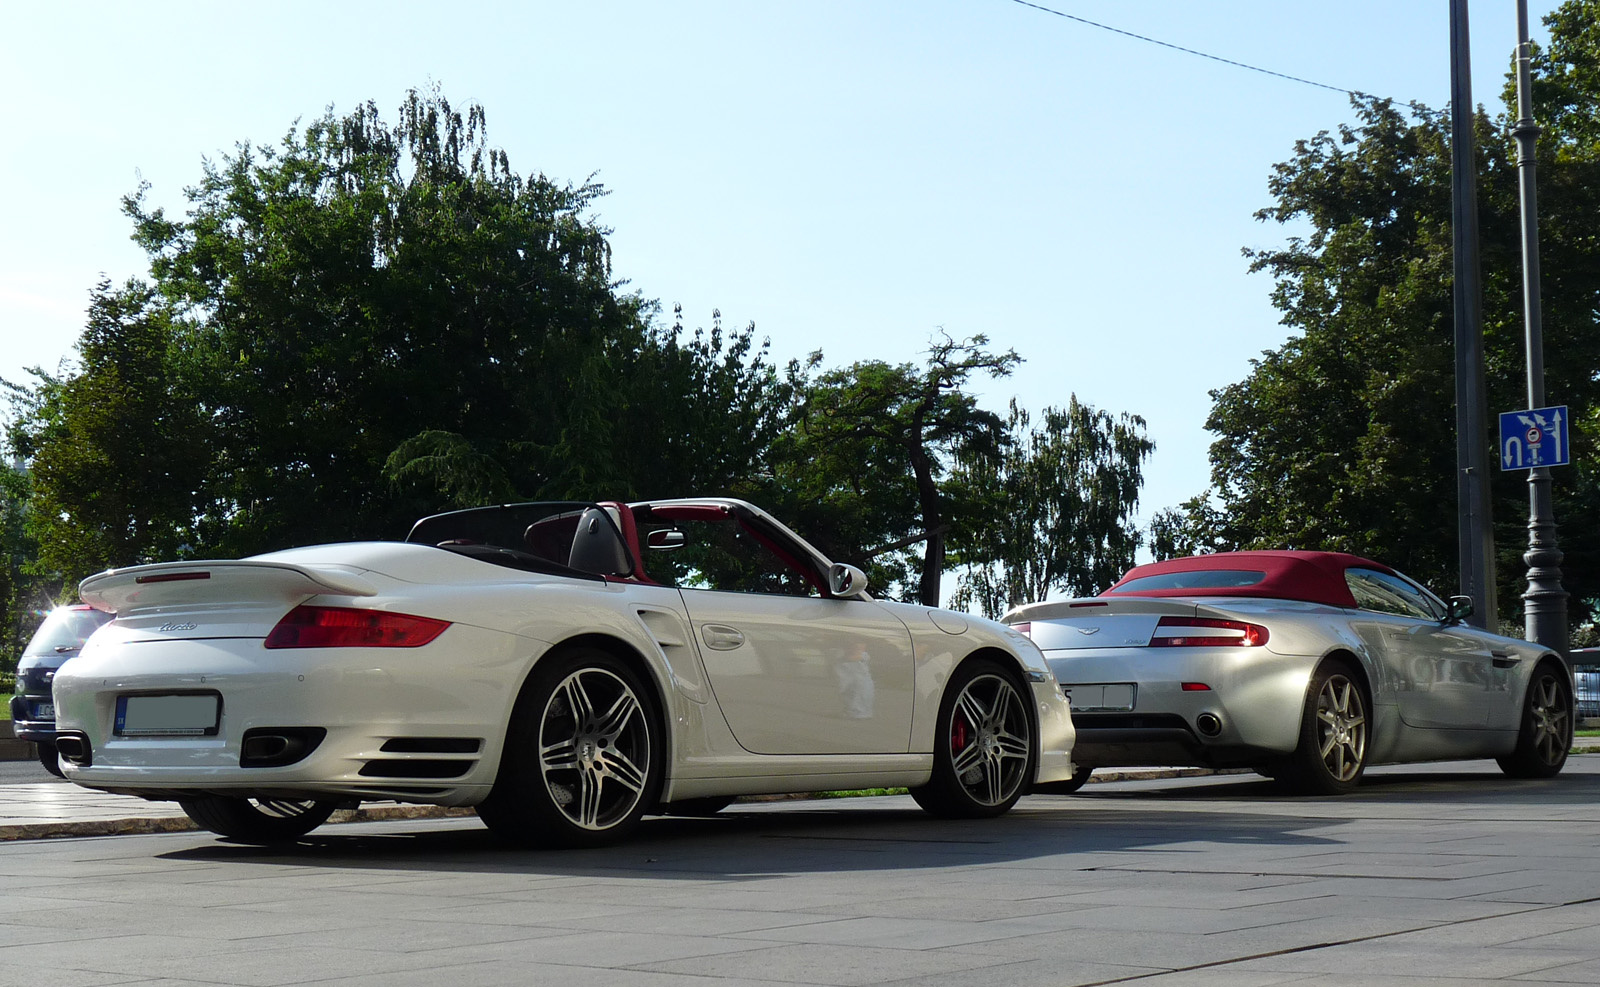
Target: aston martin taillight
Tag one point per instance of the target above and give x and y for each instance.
(1207, 632)
(347, 627)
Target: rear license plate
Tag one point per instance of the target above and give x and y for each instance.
(1113, 697)
(44, 711)
(168, 716)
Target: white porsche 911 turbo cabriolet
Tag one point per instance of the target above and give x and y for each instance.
(564, 668)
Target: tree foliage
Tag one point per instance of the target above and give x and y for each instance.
(871, 447)
(1343, 438)
(1052, 511)
(364, 324)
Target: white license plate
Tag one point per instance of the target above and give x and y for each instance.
(1112, 697)
(168, 716)
(44, 711)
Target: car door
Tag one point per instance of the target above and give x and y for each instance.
(793, 671)
(1441, 673)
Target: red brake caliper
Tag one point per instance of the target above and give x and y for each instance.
(958, 734)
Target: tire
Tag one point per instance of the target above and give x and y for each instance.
(50, 758)
(602, 762)
(1080, 777)
(260, 821)
(1332, 754)
(710, 805)
(983, 750)
(1545, 736)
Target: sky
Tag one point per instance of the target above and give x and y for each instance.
(854, 177)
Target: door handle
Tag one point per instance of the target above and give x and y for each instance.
(721, 637)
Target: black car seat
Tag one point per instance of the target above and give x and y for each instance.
(597, 547)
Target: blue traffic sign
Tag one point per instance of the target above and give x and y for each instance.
(1536, 437)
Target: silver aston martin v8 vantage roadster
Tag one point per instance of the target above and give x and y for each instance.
(563, 668)
(1306, 666)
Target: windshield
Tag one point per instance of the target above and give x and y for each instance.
(1194, 579)
(65, 630)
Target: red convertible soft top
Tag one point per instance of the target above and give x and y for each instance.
(1315, 577)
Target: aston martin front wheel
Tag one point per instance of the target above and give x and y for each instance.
(1333, 734)
(261, 821)
(1546, 732)
(983, 744)
(583, 755)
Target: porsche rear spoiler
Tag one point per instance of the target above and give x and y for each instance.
(176, 584)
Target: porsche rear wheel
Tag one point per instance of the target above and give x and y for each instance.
(583, 755)
(1333, 734)
(261, 821)
(1545, 735)
(983, 751)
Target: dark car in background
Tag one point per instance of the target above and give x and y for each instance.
(33, 710)
(1586, 679)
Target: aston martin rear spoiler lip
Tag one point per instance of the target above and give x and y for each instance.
(171, 584)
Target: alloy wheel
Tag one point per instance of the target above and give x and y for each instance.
(989, 740)
(1551, 719)
(594, 748)
(1341, 728)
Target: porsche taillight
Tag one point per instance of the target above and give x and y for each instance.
(1207, 632)
(348, 627)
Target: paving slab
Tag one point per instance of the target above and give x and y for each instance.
(1439, 874)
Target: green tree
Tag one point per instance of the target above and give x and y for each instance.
(873, 442)
(364, 324)
(1052, 511)
(1343, 438)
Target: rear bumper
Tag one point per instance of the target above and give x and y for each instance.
(407, 725)
(1248, 713)
(25, 725)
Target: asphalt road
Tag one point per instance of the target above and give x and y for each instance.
(1441, 874)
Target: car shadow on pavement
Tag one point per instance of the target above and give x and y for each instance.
(757, 844)
(1389, 784)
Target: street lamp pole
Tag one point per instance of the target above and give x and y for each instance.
(1545, 602)
(1476, 532)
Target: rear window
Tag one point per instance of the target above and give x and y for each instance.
(1195, 579)
(65, 630)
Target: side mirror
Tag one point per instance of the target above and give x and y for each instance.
(664, 539)
(1460, 609)
(846, 580)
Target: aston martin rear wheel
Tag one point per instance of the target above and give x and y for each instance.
(583, 755)
(1333, 734)
(1546, 732)
(261, 821)
(983, 749)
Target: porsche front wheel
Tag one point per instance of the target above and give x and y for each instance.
(1545, 735)
(259, 821)
(583, 755)
(983, 749)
